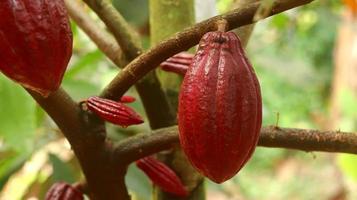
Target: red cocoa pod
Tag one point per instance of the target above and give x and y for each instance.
(162, 176)
(220, 107)
(178, 63)
(35, 43)
(127, 99)
(63, 191)
(113, 112)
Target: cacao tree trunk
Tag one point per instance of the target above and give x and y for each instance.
(166, 18)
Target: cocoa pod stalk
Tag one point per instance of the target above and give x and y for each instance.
(220, 107)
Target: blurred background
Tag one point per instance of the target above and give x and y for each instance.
(306, 61)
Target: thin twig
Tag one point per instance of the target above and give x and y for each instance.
(104, 41)
(184, 40)
(123, 33)
(291, 138)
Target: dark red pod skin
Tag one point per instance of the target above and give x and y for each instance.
(220, 107)
(63, 191)
(35, 43)
(162, 176)
(113, 112)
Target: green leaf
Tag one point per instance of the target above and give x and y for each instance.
(129, 8)
(280, 21)
(348, 163)
(10, 165)
(17, 116)
(61, 170)
(88, 60)
(80, 89)
(138, 183)
(348, 102)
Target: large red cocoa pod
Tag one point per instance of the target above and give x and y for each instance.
(220, 108)
(63, 191)
(35, 43)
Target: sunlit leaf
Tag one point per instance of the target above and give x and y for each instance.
(89, 60)
(138, 183)
(17, 116)
(348, 164)
(80, 89)
(10, 165)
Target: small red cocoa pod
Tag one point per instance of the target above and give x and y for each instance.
(63, 191)
(220, 107)
(162, 176)
(35, 43)
(127, 99)
(113, 112)
(178, 63)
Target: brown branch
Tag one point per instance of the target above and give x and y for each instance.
(244, 32)
(104, 41)
(291, 138)
(157, 107)
(86, 134)
(184, 40)
(116, 23)
(141, 145)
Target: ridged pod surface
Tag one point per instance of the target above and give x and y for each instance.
(162, 176)
(35, 43)
(63, 191)
(178, 63)
(220, 107)
(114, 112)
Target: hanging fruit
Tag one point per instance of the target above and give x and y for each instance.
(35, 43)
(220, 107)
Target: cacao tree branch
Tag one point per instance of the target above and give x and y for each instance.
(122, 32)
(141, 145)
(157, 107)
(104, 41)
(86, 134)
(271, 136)
(244, 32)
(65, 113)
(184, 40)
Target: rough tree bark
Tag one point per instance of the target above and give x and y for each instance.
(244, 32)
